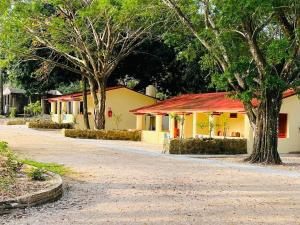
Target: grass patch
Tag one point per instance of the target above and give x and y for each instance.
(52, 167)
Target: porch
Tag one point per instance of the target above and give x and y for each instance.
(156, 128)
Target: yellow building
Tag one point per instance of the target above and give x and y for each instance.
(119, 101)
(214, 115)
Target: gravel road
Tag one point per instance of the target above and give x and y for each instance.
(117, 182)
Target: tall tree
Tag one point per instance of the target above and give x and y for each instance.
(169, 68)
(93, 36)
(256, 46)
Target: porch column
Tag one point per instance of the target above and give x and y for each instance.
(195, 124)
(158, 123)
(249, 134)
(211, 120)
(64, 107)
(172, 126)
(139, 122)
(75, 108)
(53, 107)
(58, 107)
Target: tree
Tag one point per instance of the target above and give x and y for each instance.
(165, 66)
(255, 47)
(92, 36)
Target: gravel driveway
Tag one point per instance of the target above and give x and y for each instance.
(132, 183)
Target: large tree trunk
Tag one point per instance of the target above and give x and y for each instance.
(85, 107)
(1, 94)
(99, 103)
(266, 130)
(100, 108)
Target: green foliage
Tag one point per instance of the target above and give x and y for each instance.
(73, 87)
(12, 112)
(129, 82)
(33, 109)
(9, 166)
(208, 146)
(104, 135)
(161, 96)
(49, 125)
(37, 174)
(52, 167)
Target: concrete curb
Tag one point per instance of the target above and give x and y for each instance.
(47, 195)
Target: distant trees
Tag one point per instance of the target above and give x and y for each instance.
(254, 49)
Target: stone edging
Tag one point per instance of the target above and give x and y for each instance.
(49, 194)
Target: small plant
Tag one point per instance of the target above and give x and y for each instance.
(37, 174)
(52, 167)
(161, 96)
(33, 109)
(12, 112)
(129, 82)
(117, 119)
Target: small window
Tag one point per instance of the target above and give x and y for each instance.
(233, 115)
(282, 125)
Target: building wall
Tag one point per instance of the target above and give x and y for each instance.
(291, 106)
(233, 125)
(202, 123)
(121, 101)
(153, 137)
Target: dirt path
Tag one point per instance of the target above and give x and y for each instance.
(138, 185)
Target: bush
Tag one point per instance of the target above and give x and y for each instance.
(33, 109)
(16, 122)
(12, 112)
(49, 125)
(37, 174)
(105, 135)
(208, 146)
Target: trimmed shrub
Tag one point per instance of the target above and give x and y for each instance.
(104, 135)
(208, 146)
(49, 125)
(16, 122)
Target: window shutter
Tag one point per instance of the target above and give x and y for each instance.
(282, 127)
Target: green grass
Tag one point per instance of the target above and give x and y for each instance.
(52, 167)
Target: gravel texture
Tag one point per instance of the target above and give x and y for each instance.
(133, 183)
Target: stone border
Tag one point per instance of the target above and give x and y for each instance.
(47, 195)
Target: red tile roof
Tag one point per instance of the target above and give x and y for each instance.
(218, 102)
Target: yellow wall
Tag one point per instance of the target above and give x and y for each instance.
(202, 123)
(291, 106)
(188, 126)
(121, 101)
(153, 137)
(233, 124)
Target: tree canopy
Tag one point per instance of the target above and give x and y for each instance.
(254, 48)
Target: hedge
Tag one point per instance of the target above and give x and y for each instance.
(16, 122)
(49, 125)
(208, 146)
(103, 134)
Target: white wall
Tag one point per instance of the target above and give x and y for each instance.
(291, 106)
